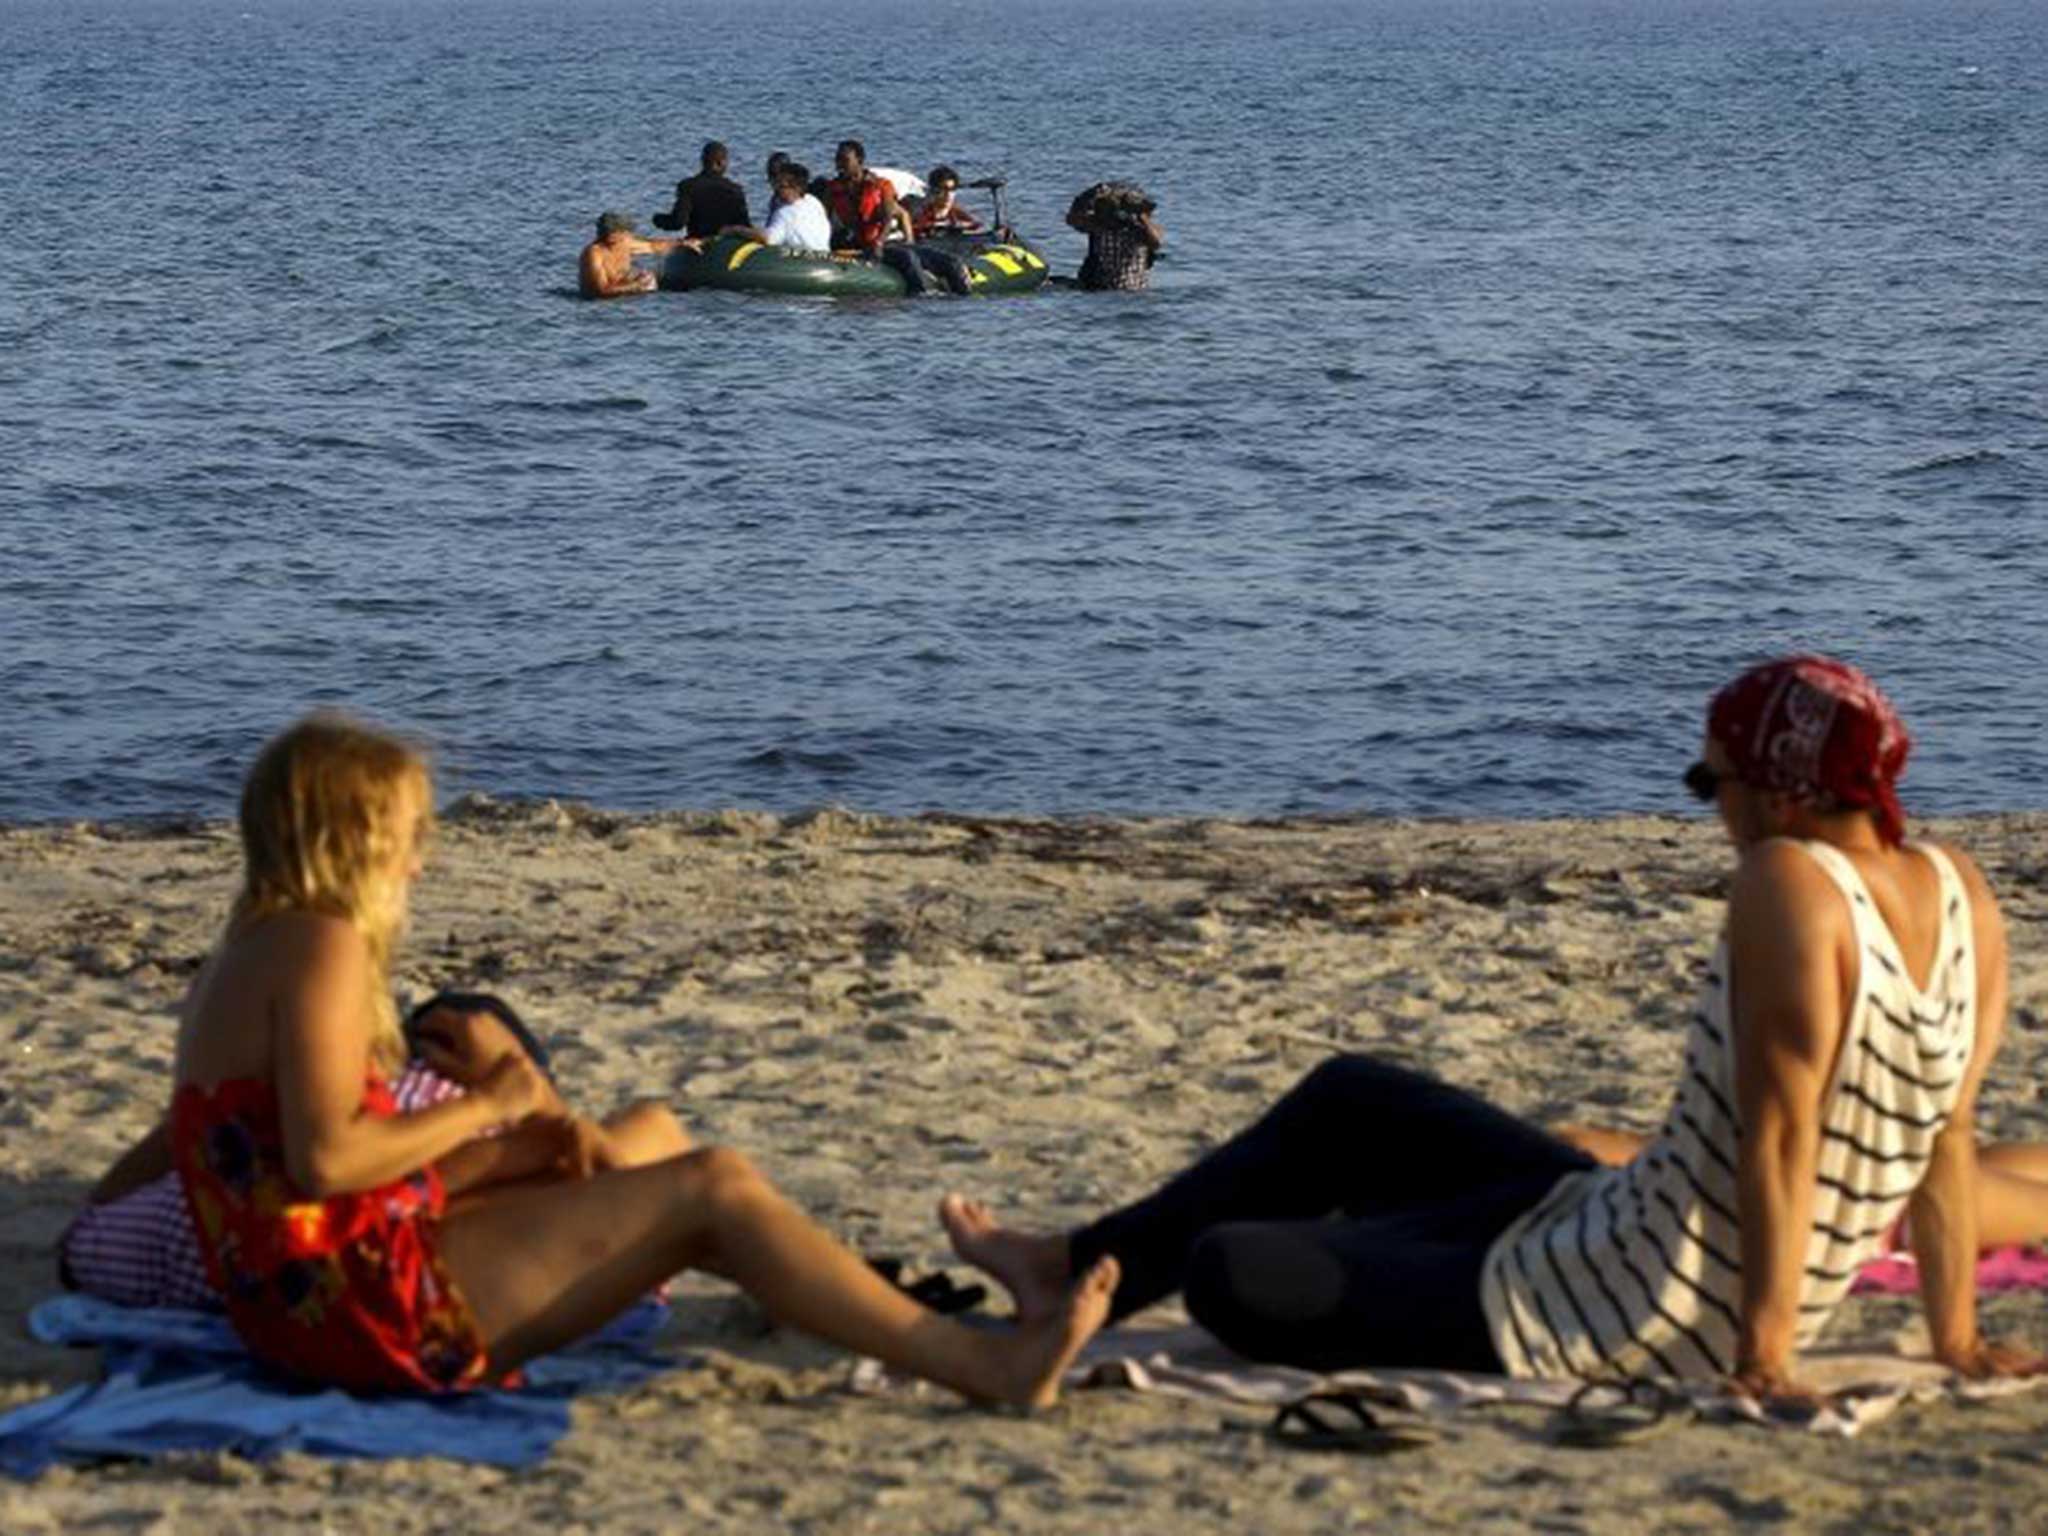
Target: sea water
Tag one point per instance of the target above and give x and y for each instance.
(1516, 371)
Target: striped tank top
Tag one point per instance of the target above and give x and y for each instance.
(1636, 1270)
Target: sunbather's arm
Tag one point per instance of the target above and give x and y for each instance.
(1786, 930)
(144, 1163)
(533, 1149)
(1943, 1213)
(320, 1016)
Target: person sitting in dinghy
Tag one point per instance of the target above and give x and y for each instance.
(799, 221)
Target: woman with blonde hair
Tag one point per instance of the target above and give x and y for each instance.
(324, 1222)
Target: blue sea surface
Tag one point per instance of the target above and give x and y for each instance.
(1516, 372)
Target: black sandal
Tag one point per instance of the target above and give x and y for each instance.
(1608, 1413)
(937, 1290)
(1343, 1421)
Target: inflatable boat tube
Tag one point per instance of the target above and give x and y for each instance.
(746, 266)
(995, 269)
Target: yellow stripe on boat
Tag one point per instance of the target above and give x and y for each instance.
(742, 256)
(1003, 262)
(1029, 258)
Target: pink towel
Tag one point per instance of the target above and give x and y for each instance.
(2002, 1269)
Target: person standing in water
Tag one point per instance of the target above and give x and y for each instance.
(606, 270)
(1124, 237)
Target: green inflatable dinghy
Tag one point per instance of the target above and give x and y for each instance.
(746, 266)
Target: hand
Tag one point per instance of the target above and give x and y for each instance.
(578, 1147)
(1982, 1360)
(515, 1088)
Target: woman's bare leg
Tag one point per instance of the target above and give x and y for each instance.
(2020, 1159)
(2012, 1193)
(1615, 1148)
(554, 1262)
(646, 1132)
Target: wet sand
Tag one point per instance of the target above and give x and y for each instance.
(1052, 1015)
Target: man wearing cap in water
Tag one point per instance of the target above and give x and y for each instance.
(607, 270)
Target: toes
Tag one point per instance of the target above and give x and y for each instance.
(967, 1216)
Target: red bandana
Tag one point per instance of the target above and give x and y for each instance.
(1817, 730)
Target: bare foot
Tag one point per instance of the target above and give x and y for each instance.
(1035, 1358)
(1032, 1269)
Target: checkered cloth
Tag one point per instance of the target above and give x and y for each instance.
(141, 1251)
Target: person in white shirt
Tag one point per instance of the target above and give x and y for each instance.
(799, 220)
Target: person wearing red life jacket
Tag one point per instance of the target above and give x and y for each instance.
(866, 216)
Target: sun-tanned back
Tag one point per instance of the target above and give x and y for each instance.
(227, 1028)
(1907, 891)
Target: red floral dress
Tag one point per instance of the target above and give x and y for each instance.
(350, 1290)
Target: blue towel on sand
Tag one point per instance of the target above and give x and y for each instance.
(180, 1380)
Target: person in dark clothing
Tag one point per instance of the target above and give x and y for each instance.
(1844, 1022)
(708, 201)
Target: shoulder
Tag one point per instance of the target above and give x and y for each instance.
(1779, 861)
(1781, 888)
(308, 942)
(1985, 917)
(1967, 868)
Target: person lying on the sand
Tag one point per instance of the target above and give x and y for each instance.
(2011, 1184)
(134, 1244)
(1830, 1081)
(322, 1216)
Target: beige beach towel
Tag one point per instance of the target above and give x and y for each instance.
(1865, 1382)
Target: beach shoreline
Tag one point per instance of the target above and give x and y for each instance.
(1051, 1013)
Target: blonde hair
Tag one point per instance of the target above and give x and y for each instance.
(323, 830)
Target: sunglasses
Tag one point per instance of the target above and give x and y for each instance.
(1704, 782)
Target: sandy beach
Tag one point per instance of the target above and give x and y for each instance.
(1052, 1015)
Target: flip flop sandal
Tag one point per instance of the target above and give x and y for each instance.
(1608, 1413)
(1343, 1421)
(946, 1296)
(937, 1291)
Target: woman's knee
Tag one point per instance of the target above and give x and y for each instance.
(1258, 1286)
(720, 1183)
(648, 1132)
(1352, 1077)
